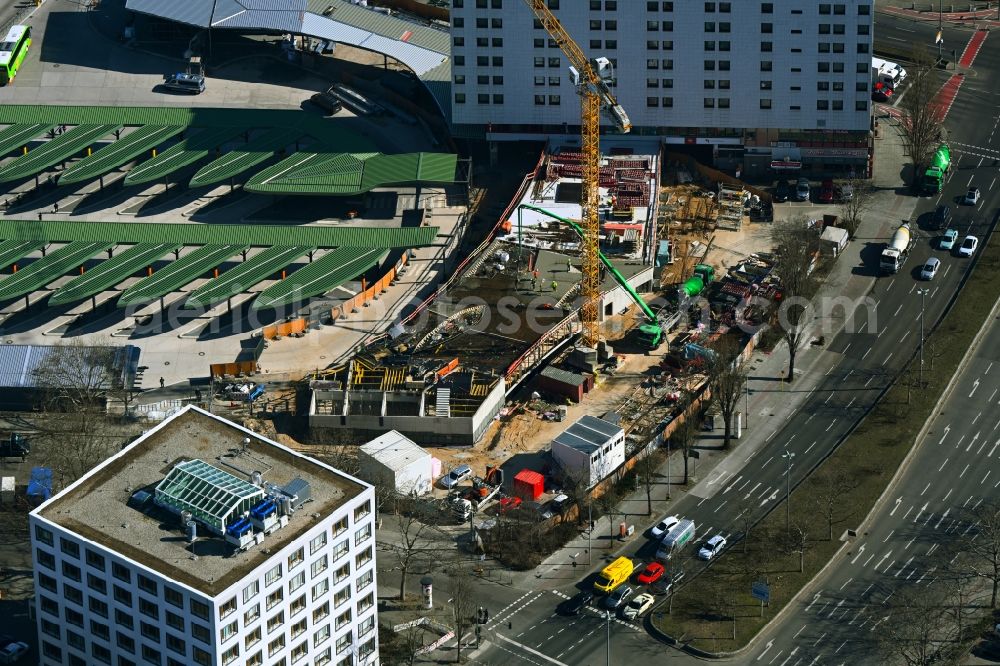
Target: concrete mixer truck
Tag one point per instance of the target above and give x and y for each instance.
(894, 255)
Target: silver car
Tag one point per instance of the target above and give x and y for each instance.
(456, 476)
(930, 268)
(618, 597)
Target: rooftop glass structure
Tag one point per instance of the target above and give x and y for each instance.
(211, 495)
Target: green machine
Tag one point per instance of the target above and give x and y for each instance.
(934, 176)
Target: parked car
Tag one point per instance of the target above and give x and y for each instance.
(782, 191)
(509, 504)
(659, 529)
(712, 547)
(802, 190)
(652, 573)
(575, 604)
(666, 583)
(881, 92)
(968, 247)
(12, 653)
(971, 197)
(940, 217)
(15, 447)
(456, 476)
(618, 597)
(930, 268)
(826, 191)
(328, 102)
(947, 241)
(185, 83)
(638, 606)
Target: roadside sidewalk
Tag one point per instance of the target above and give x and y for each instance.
(771, 402)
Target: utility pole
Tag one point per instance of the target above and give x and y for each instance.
(590, 530)
(607, 618)
(788, 455)
(940, 33)
(923, 294)
(746, 416)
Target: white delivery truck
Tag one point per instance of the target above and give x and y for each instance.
(678, 537)
(888, 72)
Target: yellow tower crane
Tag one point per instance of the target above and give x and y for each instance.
(592, 78)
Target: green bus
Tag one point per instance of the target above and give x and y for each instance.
(12, 52)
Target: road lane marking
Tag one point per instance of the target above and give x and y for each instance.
(943, 464)
(846, 583)
(943, 516)
(770, 644)
(925, 488)
(888, 535)
(839, 604)
(533, 651)
(860, 551)
(903, 568)
(973, 442)
(950, 491)
(963, 471)
(924, 508)
(831, 425)
(908, 512)
(984, 478)
(810, 447)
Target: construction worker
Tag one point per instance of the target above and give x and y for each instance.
(555, 285)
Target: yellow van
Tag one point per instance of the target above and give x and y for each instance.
(614, 575)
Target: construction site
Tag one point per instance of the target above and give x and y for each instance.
(492, 368)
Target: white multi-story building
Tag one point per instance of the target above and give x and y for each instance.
(203, 543)
(742, 83)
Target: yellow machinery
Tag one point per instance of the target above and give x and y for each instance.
(592, 79)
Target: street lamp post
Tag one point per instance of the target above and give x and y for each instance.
(607, 621)
(746, 417)
(923, 294)
(788, 455)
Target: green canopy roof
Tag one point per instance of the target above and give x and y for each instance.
(178, 273)
(188, 151)
(326, 273)
(54, 151)
(240, 159)
(109, 273)
(245, 275)
(49, 268)
(118, 153)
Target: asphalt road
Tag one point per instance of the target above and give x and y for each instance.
(895, 33)
(956, 468)
(869, 353)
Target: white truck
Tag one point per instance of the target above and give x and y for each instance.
(894, 255)
(888, 72)
(678, 537)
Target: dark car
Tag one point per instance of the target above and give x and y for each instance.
(782, 190)
(941, 217)
(328, 102)
(576, 604)
(15, 447)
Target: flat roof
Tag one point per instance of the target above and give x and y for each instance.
(394, 450)
(95, 507)
(588, 434)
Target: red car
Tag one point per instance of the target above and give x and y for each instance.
(509, 504)
(651, 574)
(826, 191)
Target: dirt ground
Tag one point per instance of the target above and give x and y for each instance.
(528, 432)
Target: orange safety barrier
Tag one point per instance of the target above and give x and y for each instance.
(285, 328)
(235, 368)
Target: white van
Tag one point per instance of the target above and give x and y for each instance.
(678, 537)
(888, 72)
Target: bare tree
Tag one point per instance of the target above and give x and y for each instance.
(685, 434)
(727, 378)
(647, 468)
(917, 631)
(833, 487)
(412, 543)
(984, 549)
(796, 249)
(854, 208)
(463, 605)
(79, 385)
(921, 122)
(798, 542)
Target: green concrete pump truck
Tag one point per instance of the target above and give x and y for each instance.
(936, 171)
(650, 333)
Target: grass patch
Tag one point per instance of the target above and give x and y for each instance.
(716, 612)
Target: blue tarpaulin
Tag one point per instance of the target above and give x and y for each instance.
(41, 482)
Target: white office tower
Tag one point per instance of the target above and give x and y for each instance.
(202, 543)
